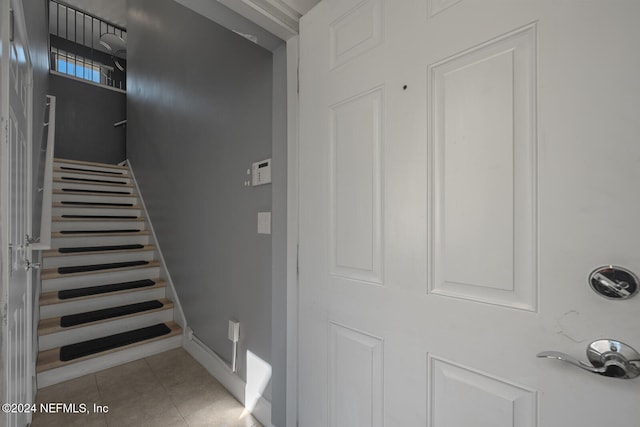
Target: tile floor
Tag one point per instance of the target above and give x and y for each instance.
(169, 389)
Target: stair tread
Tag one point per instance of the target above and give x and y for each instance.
(90, 268)
(52, 273)
(88, 163)
(56, 253)
(61, 205)
(94, 182)
(93, 194)
(51, 298)
(52, 325)
(129, 233)
(50, 359)
(74, 220)
(60, 169)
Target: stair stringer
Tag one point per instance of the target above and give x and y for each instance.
(178, 313)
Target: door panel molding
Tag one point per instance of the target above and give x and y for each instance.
(496, 402)
(355, 198)
(356, 32)
(484, 173)
(356, 392)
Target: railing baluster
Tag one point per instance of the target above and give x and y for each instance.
(87, 64)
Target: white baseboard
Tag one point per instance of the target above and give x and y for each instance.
(222, 372)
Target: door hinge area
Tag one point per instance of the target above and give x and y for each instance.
(12, 26)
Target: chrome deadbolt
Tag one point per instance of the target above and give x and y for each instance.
(614, 282)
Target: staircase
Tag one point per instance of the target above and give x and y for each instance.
(103, 301)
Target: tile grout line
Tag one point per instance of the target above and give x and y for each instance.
(158, 377)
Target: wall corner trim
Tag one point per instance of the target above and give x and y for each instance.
(222, 372)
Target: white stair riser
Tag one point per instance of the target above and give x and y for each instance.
(75, 210)
(86, 198)
(69, 241)
(75, 282)
(97, 225)
(106, 169)
(98, 302)
(103, 329)
(90, 258)
(116, 179)
(78, 369)
(91, 187)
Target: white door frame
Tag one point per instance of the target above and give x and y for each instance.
(292, 229)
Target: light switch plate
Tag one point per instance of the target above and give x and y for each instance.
(264, 222)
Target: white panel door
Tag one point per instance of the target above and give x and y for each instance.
(464, 166)
(15, 214)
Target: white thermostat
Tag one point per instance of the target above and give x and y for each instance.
(261, 172)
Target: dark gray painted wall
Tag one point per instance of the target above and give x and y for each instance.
(199, 113)
(85, 117)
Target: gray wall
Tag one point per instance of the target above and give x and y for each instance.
(199, 113)
(85, 116)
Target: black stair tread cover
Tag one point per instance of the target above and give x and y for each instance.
(108, 313)
(81, 249)
(103, 181)
(124, 230)
(98, 267)
(103, 289)
(67, 168)
(81, 190)
(95, 203)
(86, 348)
(100, 216)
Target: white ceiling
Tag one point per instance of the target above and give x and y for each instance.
(287, 11)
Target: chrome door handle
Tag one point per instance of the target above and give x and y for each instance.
(607, 357)
(31, 265)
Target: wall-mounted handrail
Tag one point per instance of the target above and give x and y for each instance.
(120, 123)
(47, 189)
